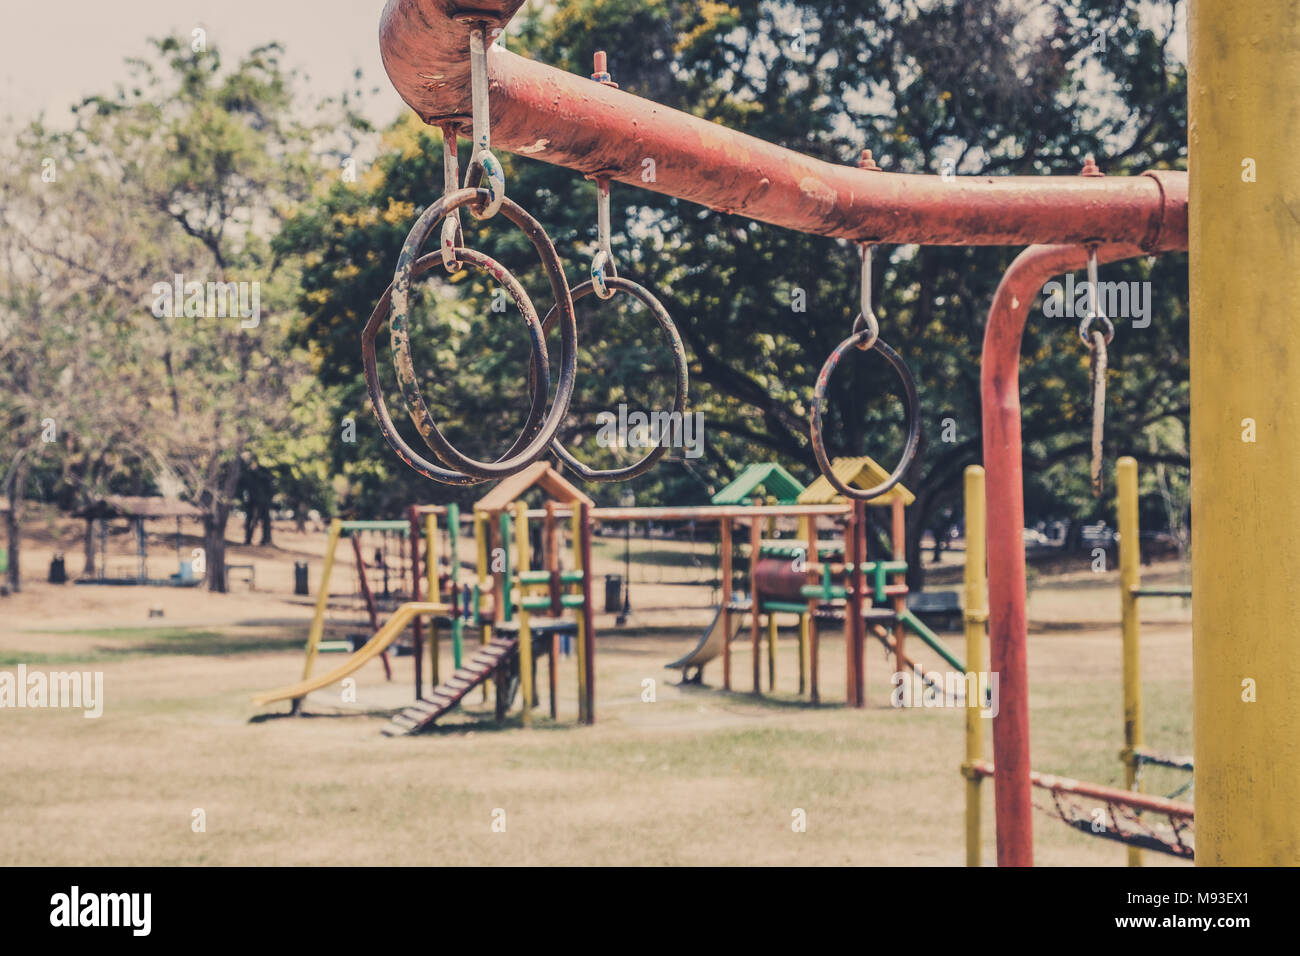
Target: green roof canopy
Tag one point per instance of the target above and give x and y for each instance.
(771, 477)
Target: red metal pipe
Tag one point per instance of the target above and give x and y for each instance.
(1020, 289)
(1129, 798)
(568, 120)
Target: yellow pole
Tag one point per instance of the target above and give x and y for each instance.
(322, 598)
(484, 582)
(431, 576)
(810, 556)
(525, 635)
(1245, 392)
(976, 617)
(1130, 574)
(575, 524)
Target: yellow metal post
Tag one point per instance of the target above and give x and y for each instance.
(525, 635)
(322, 599)
(976, 617)
(483, 580)
(575, 525)
(810, 557)
(1130, 553)
(1245, 392)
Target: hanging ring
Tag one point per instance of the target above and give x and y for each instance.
(407, 379)
(661, 316)
(866, 320)
(602, 266)
(1094, 306)
(912, 410)
(539, 372)
(485, 170)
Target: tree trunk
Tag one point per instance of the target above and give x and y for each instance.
(11, 527)
(13, 520)
(214, 546)
(88, 550)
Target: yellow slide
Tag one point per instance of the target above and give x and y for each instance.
(372, 649)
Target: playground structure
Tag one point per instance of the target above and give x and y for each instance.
(817, 580)
(512, 636)
(1127, 816)
(1249, 811)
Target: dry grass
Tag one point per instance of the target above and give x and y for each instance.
(696, 777)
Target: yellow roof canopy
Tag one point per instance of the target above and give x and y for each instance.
(861, 472)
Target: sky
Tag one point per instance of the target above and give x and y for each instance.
(53, 56)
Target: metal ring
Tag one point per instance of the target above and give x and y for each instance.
(1085, 328)
(539, 371)
(406, 375)
(912, 408)
(642, 294)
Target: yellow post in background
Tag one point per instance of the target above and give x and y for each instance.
(322, 598)
(810, 557)
(1130, 577)
(1245, 341)
(575, 525)
(976, 616)
(525, 635)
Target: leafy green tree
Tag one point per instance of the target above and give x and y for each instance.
(976, 88)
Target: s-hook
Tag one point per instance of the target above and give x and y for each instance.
(1096, 341)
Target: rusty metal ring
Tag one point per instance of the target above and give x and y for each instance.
(539, 370)
(661, 316)
(912, 410)
(406, 375)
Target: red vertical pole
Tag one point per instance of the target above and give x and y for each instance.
(370, 600)
(724, 544)
(588, 618)
(856, 630)
(755, 546)
(417, 635)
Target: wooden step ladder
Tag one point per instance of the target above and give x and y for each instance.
(484, 663)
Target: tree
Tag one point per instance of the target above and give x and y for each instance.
(202, 164)
(972, 88)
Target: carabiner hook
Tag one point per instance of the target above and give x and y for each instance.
(866, 320)
(602, 266)
(485, 170)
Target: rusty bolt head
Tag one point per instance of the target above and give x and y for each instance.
(866, 162)
(601, 74)
(1090, 167)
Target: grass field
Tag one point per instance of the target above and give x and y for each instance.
(697, 776)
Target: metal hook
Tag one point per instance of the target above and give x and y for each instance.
(602, 266)
(1094, 305)
(866, 320)
(485, 170)
(452, 236)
